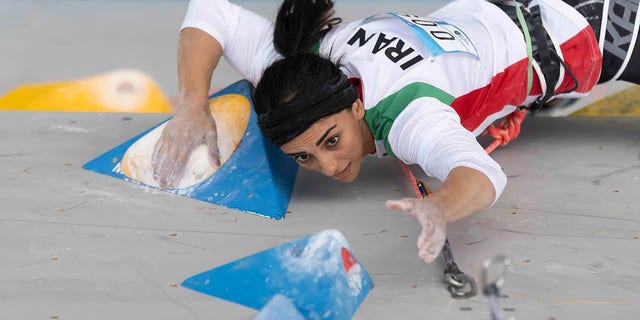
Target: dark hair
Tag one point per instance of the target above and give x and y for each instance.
(302, 23)
(303, 87)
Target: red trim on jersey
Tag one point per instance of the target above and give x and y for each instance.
(581, 55)
(506, 88)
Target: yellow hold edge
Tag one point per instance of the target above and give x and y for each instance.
(625, 103)
(115, 91)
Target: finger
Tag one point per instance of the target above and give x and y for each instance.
(431, 244)
(432, 250)
(160, 167)
(177, 167)
(423, 241)
(214, 153)
(428, 252)
(160, 175)
(405, 204)
(428, 255)
(156, 158)
(165, 164)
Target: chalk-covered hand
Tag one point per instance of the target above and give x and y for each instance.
(433, 235)
(183, 133)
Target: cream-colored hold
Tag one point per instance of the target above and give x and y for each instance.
(231, 113)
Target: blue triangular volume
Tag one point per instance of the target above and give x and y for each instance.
(318, 273)
(258, 178)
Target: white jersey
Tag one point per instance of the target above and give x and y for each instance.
(429, 83)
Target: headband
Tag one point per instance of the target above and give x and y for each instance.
(285, 121)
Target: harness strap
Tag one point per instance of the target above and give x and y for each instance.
(548, 66)
(527, 39)
(540, 47)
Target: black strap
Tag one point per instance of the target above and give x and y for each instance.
(543, 49)
(549, 67)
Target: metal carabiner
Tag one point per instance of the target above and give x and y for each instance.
(461, 286)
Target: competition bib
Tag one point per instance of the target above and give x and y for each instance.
(438, 36)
